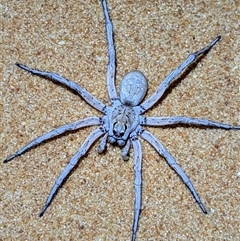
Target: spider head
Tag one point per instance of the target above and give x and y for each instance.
(122, 121)
(118, 133)
(133, 88)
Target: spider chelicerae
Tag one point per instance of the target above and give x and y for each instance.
(122, 122)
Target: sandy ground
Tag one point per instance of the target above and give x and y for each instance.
(96, 202)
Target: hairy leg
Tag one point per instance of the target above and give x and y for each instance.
(137, 183)
(111, 55)
(173, 164)
(147, 104)
(90, 99)
(175, 120)
(91, 121)
(73, 162)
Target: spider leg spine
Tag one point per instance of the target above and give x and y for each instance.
(91, 121)
(89, 98)
(74, 160)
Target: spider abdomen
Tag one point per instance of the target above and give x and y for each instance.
(133, 88)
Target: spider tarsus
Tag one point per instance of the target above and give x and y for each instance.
(213, 43)
(203, 208)
(42, 211)
(19, 65)
(24, 67)
(9, 159)
(216, 39)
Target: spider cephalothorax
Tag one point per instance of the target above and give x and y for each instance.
(122, 122)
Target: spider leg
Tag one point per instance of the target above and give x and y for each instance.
(173, 164)
(73, 162)
(56, 132)
(147, 104)
(90, 99)
(137, 183)
(111, 55)
(166, 121)
(102, 146)
(125, 150)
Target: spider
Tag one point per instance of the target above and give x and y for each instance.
(122, 122)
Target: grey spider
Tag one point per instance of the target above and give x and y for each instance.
(122, 122)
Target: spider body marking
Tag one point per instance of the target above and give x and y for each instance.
(122, 122)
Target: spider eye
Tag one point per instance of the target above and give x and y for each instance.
(119, 129)
(116, 133)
